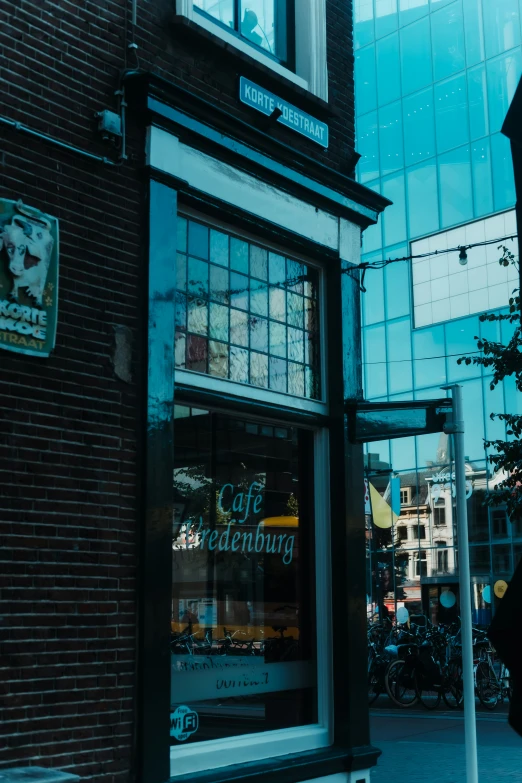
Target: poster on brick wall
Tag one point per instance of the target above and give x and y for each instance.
(28, 279)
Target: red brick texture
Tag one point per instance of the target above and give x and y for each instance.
(68, 426)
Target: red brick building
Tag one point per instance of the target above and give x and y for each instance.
(86, 433)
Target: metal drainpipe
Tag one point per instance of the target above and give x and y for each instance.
(43, 136)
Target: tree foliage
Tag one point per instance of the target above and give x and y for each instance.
(506, 361)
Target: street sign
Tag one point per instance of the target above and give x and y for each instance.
(289, 115)
(374, 421)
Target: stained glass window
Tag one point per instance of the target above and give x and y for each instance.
(245, 313)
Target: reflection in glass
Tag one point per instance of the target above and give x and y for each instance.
(242, 557)
(368, 147)
(366, 94)
(451, 113)
(447, 34)
(419, 126)
(501, 26)
(416, 56)
(390, 139)
(394, 219)
(482, 178)
(473, 31)
(503, 74)
(502, 164)
(252, 299)
(423, 205)
(388, 74)
(455, 186)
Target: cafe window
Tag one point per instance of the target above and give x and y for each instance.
(249, 603)
(267, 24)
(245, 313)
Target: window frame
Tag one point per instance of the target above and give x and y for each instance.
(215, 754)
(284, 22)
(259, 394)
(311, 71)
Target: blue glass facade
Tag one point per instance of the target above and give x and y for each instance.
(434, 79)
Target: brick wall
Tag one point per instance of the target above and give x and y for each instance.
(68, 425)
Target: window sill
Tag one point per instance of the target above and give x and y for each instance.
(293, 768)
(286, 83)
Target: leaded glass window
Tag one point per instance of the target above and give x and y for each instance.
(245, 313)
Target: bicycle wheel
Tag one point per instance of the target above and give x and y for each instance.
(400, 684)
(453, 689)
(488, 689)
(428, 696)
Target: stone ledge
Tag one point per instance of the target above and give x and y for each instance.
(36, 775)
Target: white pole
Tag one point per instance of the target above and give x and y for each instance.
(456, 427)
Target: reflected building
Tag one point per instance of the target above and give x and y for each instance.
(434, 80)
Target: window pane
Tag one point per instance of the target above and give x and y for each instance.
(473, 419)
(482, 181)
(423, 207)
(259, 24)
(416, 56)
(455, 186)
(411, 10)
(451, 113)
(231, 335)
(397, 286)
(385, 17)
(242, 554)
(388, 75)
(363, 22)
(447, 34)
(372, 237)
(373, 299)
(222, 10)
(366, 93)
(478, 109)
(375, 361)
(503, 74)
(473, 31)
(394, 218)
(460, 340)
(428, 352)
(494, 403)
(367, 147)
(419, 127)
(503, 181)
(390, 138)
(501, 25)
(399, 356)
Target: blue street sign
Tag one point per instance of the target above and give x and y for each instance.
(266, 102)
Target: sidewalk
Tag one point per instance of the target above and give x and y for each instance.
(430, 762)
(422, 747)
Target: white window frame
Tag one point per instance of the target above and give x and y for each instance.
(260, 394)
(310, 44)
(213, 754)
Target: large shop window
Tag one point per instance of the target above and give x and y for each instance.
(245, 630)
(268, 24)
(245, 313)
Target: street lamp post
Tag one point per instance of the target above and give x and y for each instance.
(455, 427)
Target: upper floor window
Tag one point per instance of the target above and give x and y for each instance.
(245, 313)
(406, 496)
(268, 24)
(439, 516)
(286, 36)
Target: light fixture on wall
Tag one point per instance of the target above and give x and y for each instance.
(463, 256)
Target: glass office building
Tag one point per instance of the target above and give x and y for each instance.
(434, 80)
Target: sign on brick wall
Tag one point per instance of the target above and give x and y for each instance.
(289, 115)
(28, 279)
